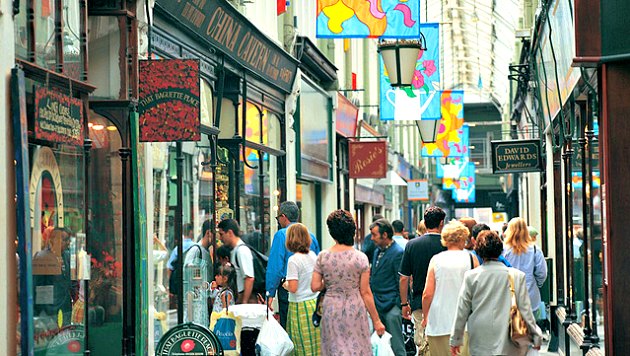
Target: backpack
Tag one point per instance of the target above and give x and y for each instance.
(260, 270)
(175, 280)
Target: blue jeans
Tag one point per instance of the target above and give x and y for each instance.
(392, 320)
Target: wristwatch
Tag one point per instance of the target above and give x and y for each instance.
(404, 304)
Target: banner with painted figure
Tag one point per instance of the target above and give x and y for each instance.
(452, 138)
(464, 181)
(464, 195)
(368, 18)
(454, 166)
(422, 99)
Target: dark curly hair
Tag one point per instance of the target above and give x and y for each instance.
(342, 227)
(489, 245)
(433, 216)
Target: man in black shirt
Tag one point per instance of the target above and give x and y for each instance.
(415, 264)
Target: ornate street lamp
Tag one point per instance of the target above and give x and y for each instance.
(428, 130)
(400, 57)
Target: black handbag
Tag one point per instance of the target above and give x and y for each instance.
(317, 314)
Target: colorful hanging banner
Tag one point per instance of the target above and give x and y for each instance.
(454, 166)
(464, 195)
(453, 133)
(368, 18)
(464, 181)
(168, 102)
(422, 99)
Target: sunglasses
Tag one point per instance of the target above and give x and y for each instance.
(278, 217)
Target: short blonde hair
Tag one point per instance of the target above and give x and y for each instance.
(298, 238)
(421, 229)
(454, 233)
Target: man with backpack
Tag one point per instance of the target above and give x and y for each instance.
(244, 258)
(288, 214)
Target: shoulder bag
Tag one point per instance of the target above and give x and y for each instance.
(517, 326)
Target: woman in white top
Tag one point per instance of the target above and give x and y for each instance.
(302, 300)
(444, 279)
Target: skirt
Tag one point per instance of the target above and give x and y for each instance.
(306, 337)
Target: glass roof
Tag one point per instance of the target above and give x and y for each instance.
(477, 45)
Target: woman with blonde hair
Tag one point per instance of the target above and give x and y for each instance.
(523, 255)
(302, 300)
(421, 229)
(444, 280)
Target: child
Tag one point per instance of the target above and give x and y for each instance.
(222, 287)
(302, 300)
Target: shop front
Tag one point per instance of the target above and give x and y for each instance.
(237, 169)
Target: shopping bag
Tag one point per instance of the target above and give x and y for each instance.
(381, 345)
(227, 328)
(273, 340)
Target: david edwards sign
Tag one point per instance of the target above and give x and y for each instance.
(516, 156)
(218, 23)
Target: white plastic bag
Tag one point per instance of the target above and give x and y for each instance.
(273, 340)
(381, 345)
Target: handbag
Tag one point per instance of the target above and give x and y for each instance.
(517, 326)
(317, 314)
(227, 327)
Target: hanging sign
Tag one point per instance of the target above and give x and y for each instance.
(221, 25)
(69, 341)
(516, 156)
(368, 159)
(346, 119)
(189, 339)
(58, 117)
(168, 103)
(418, 190)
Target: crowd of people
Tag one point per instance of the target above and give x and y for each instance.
(454, 280)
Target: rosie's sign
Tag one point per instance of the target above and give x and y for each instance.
(368, 159)
(218, 23)
(516, 156)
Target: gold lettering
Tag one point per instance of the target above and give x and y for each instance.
(212, 27)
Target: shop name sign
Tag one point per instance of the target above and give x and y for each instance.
(368, 159)
(168, 100)
(189, 339)
(219, 23)
(516, 156)
(58, 117)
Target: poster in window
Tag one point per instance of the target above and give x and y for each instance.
(168, 103)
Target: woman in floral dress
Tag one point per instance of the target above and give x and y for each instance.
(345, 275)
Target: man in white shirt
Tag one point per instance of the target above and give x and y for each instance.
(399, 233)
(241, 258)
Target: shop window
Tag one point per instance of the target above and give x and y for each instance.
(254, 210)
(104, 39)
(106, 234)
(57, 49)
(207, 100)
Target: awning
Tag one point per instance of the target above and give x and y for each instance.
(392, 179)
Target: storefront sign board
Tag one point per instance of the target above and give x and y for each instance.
(221, 25)
(418, 190)
(189, 339)
(168, 103)
(346, 118)
(58, 117)
(368, 159)
(516, 156)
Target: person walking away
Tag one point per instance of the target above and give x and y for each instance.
(475, 232)
(229, 234)
(399, 233)
(223, 287)
(469, 223)
(523, 255)
(302, 300)
(345, 274)
(415, 264)
(384, 282)
(444, 279)
(484, 304)
(288, 214)
(368, 246)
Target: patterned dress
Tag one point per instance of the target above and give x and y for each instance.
(345, 330)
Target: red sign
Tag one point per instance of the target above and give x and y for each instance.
(168, 101)
(368, 159)
(58, 117)
(346, 119)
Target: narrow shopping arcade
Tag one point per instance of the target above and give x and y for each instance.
(314, 177)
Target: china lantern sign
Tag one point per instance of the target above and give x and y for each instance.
(168, 103)
(368, 159)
